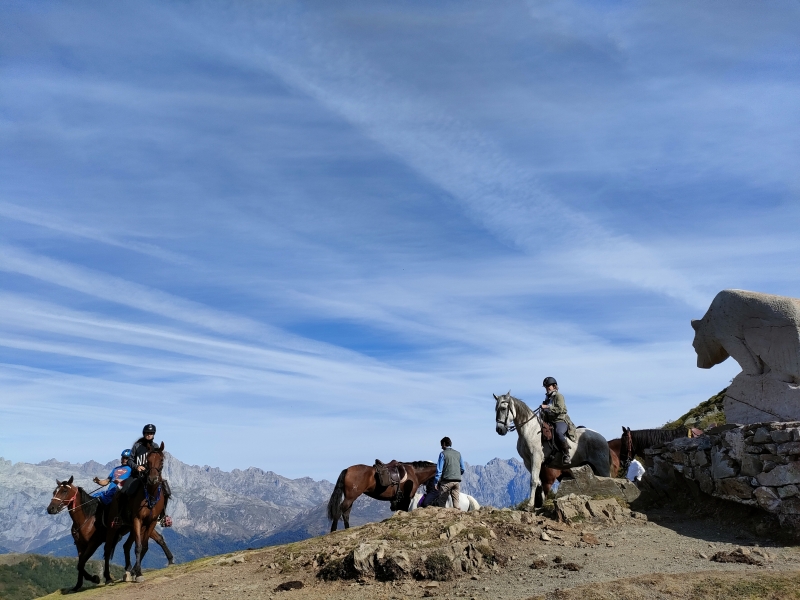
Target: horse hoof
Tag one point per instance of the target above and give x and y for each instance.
(170, 562)
(95, 580)
(139, 579)
(127, 576)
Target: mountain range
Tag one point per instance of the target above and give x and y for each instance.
(214, 511)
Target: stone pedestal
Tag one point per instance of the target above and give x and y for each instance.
(761, 399)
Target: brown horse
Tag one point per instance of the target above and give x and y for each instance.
(88, 528)
(145, 506)
(361, 479)
(635, 442)
(82, 509)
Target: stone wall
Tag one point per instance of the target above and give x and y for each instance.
(755, 465)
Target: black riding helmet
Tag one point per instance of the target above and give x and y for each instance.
(149, 428)
(548, 381)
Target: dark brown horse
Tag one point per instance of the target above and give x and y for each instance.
(88, 528)
(145, 506)
(635, 442)
(82, 509)
(361, 479)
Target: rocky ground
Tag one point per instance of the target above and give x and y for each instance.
(491, 553)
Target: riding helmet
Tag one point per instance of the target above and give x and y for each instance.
(126, 453)
(149, 428)
(549, 381)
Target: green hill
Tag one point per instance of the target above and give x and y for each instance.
(704, 415)
(31, 575)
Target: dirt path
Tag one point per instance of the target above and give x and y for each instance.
(602, 553)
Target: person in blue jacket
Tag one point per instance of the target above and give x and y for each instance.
(449, 470)
(114, 480)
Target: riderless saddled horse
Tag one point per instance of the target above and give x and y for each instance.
(590, 448)
(362, 479)
(145, 506)
(88, 531)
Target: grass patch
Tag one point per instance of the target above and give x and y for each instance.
(702, 415)
(438, 567)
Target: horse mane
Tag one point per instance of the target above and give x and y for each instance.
(524, 411)
(419, 464)
(88, 503)
(648, 438)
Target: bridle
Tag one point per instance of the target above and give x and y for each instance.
(513, 426)
(627, 443)
(66, 502)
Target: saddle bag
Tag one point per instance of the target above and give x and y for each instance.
(547, 431)
(382, 474)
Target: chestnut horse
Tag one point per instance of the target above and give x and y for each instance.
(361, 479)
(88, 530)
(146, 506)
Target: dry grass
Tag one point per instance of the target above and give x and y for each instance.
(689, 586)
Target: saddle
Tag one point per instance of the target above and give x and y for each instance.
(390, 474)
(547, 431)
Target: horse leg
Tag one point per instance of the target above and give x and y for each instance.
(159, 539)
(137, 533)
(127, 548)
(112, 537)
(346, 506)
(90, 549)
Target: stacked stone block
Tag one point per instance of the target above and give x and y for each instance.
(756, 465)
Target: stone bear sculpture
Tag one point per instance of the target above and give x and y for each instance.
(760, 331)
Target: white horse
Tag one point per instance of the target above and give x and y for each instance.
(590, 448)
(465, 501)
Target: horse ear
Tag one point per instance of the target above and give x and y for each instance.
(509, 392)
(70, 480)
(623, 429)
(162, 447)
(58, 482)
(495, 397)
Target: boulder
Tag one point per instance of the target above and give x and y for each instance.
(570, 507)
(365, 556)
(585, 483)
(739, 487)
(722, 465)
(781, 475)
(767, 499)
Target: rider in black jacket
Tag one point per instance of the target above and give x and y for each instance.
(138, 462)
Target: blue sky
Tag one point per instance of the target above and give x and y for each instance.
(302, 235)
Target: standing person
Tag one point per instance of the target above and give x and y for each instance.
(448, 473)
(554, 411)
(114, 480)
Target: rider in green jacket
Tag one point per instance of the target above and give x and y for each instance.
(554, 411)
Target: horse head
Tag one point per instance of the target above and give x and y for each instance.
(64, 495)
(155, 464)
(504, 412)
(626, 452)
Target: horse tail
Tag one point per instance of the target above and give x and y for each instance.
(337, 497)
(473, 504)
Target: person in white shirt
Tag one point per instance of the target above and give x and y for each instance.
(635, 471)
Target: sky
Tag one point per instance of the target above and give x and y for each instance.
(304, 235)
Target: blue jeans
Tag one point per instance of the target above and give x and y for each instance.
(106, 494)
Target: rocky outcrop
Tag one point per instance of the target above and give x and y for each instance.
(754, 465)
(583, 481)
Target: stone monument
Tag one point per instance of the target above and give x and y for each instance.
(762, 333)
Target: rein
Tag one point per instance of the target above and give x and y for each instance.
(514, 426)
